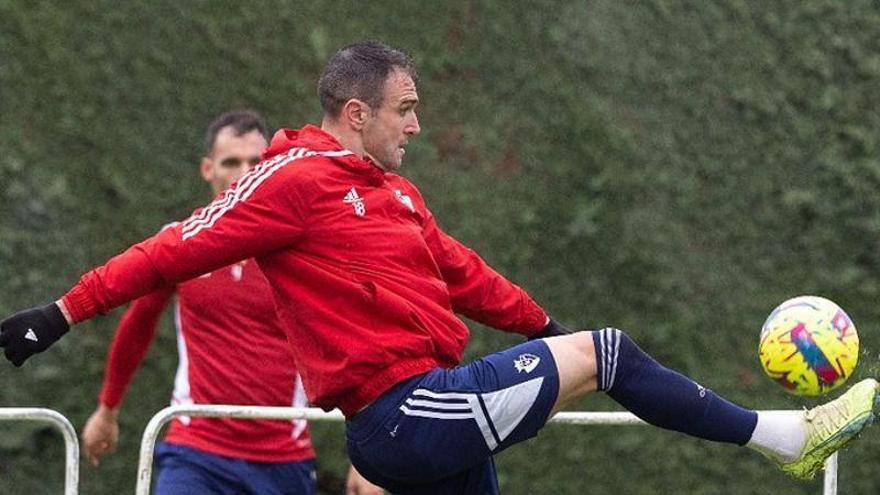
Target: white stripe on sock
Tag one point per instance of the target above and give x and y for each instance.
(600, 352)
(614, 359)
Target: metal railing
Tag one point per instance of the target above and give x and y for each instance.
(148, 443)
(56, 419)
(151, 432)
(829, 484)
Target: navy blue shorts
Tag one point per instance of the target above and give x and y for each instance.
(194, 472)
(436, 433)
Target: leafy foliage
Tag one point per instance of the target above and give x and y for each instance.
(673, 168)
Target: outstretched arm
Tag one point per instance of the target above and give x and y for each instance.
(478, 291)
(263, 212)
(133, 337)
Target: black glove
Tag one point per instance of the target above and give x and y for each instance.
(552, 329)
(31, 331)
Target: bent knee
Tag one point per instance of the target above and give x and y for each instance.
(587, 342)
(575, 358)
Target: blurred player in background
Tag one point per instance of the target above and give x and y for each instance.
(367, 286)
(231, 351)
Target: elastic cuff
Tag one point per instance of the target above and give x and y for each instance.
(78, 303)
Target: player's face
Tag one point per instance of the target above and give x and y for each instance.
(231, 157)
(388, 128)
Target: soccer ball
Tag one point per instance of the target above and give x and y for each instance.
(809, 346)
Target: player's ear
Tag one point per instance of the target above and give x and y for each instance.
(207, 169)
(355, 113)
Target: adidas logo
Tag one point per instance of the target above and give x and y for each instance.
(352, 196)
(356, 201)
(30, 335)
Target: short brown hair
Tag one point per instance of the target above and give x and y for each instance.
(359, 71)
(241, 121)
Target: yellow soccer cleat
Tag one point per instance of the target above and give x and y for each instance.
(832, 425)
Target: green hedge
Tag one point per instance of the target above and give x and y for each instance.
(672, 168)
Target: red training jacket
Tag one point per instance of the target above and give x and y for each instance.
(365, 282)
(232, 350)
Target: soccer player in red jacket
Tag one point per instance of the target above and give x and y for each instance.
(368, 285)
(232, 351)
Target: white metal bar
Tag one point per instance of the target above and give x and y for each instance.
(625, 418)
(56, 419)
(148, 443)
(830, 482)
(596, 418)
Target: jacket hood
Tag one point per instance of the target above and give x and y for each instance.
(310, 136)
(316, 139)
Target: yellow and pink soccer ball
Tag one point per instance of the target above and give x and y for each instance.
(809, 346)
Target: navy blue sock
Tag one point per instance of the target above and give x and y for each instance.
(663, 397)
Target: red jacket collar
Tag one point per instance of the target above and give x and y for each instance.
(316, 139)
(310, 136)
